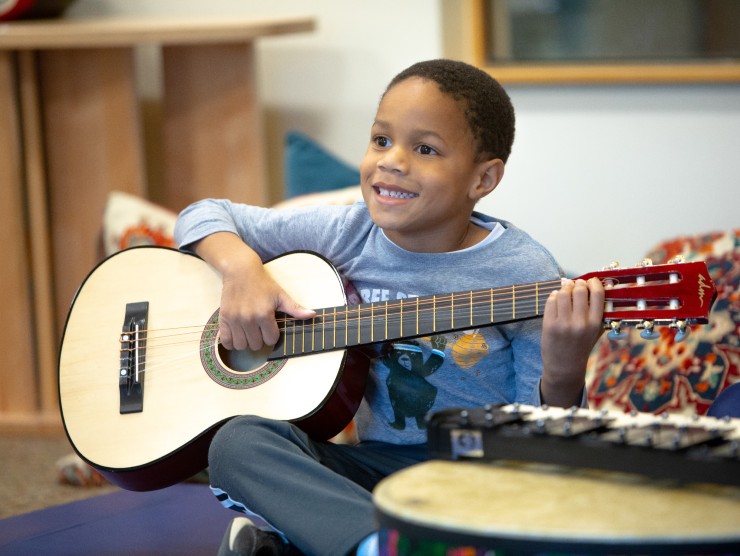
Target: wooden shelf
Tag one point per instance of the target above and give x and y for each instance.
(112, 32)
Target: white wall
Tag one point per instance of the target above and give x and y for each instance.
(604, 173)
(597, 173)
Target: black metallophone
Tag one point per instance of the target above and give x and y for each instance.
(667, 446)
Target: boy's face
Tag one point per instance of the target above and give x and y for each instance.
(420, 179)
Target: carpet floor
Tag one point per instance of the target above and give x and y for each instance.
(29, 475)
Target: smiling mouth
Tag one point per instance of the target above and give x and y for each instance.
(395, 194)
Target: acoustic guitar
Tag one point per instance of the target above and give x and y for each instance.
(144, 383)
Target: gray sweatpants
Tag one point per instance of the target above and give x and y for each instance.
(316, 494)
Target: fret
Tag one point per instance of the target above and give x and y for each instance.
(400, 306)
(434, 313)
(537, 297)
(340, 322)
(417, 315)
(317, 331)
(359, 323)
(323, 329)
(346, 327)
(343, 323)
(471, 307)
(280, 349)
(292, 322)
(452, 310)
(386, 320)
(334, 329)
(284, 340)
(372, 323)
(513, 302)
(492, 313)
(313, 334)
(307, 327)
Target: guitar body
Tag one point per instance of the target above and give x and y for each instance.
(190, 385)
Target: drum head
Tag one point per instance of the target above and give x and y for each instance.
(539, 508)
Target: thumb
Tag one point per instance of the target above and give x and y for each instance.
(289, 306)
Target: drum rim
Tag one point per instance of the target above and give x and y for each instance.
(502, 541)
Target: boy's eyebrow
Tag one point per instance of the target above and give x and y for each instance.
(417, 132)
(380, 123)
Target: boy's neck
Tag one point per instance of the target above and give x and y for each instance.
(471, 235)
(474, 234)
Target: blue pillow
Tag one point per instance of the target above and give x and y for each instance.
(310, 168)
(727, 404)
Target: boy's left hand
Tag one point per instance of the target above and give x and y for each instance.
(572, 323)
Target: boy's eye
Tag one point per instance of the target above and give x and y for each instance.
(381, 141)
(426, 149)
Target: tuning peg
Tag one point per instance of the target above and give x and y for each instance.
(646, 262)
(681, 330)
(614, 265)
(648, 332)
(616, 332)
(678, 259)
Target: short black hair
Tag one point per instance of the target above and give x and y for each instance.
(487, 107)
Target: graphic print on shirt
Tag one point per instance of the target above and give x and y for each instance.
(410, 393)
(469, 348)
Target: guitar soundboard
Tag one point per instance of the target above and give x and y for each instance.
(667, 446)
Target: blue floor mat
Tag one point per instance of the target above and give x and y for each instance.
(184, 519)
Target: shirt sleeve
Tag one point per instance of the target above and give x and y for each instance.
(202, 219)
(270, 232)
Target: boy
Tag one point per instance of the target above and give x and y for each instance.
(441, 136)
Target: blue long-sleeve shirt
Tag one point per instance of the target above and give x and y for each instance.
(468, 368)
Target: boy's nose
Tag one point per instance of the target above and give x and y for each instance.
(393, 160)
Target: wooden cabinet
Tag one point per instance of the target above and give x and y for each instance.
(71, 132)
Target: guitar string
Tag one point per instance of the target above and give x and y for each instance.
(157, 355)
(167, 361)
(516, 296)
(481, 298)
(517, 293)
(526, 304)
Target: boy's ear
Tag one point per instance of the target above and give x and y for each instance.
(491, 173)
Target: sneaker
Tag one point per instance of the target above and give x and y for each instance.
(242, 538)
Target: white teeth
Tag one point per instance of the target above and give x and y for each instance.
(396, 194)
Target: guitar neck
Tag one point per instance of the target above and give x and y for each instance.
(674, 295)
(369, 323)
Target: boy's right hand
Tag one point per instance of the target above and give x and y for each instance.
(250, 296)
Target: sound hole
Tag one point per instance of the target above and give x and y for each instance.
(235, 369)
(243, 361)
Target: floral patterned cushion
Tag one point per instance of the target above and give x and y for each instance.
(663, 375)
(131, 221)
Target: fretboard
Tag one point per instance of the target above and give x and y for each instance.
(343, 327)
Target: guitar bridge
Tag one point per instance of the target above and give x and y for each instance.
(133, 358)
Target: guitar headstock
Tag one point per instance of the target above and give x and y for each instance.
(675, 294)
